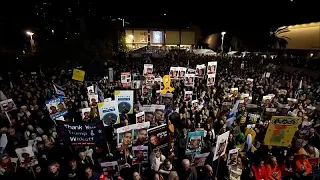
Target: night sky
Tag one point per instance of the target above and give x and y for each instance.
(250, 19)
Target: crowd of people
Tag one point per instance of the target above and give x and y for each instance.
(293, 95)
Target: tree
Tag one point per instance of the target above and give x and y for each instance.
(236, 43)
(277, 39)
(122, 47)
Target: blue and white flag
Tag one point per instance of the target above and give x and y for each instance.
(298, 91)
(99, 92)
(59, 90)
(232, 115)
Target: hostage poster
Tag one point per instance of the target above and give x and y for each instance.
(158, 137)
(194, 142)
(81, 133)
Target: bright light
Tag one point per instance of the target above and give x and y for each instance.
(29, 33)
(131, 36)
(223, 33)
(164, 14)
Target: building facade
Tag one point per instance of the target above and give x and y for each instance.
(303, 37)
(165, 38)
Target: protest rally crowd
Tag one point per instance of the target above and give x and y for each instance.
(182, 116)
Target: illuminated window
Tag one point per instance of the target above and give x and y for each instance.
(157, 37)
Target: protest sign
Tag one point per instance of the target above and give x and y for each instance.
(124, 136)
(110, 169)
(140, 154)
(221, 145)
(83, 133)
(158, 137)
(140, 117)
(78, 75)
(124, 100)
(109, 113)
(194, 142)
(232, 157)
(281, 130)
(199, 159)
(7, 105)
(26, 156)
(140, 134)
(56, 108)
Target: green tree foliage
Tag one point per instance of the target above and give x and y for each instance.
(122, 42)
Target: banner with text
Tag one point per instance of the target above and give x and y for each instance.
(81, 133)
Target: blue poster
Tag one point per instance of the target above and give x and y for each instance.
(56, 108)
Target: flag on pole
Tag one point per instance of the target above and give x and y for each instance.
(59, 90)
(232, 115)
(298, 91)
(99, 92)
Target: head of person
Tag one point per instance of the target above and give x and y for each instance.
(167, 164)
(208, 170)
(154, 139)
(54, 168)
(136, 176)
(142, 135)
(5, 159)
(88, 172)
(82, 155)
(156, 176)
(273, 161)
(37, 169)
(158, 153)
(139, 154)
(11, 131)
(127, 137)
(149, 117)
(185, 164)
(173, 175)
(73, 164)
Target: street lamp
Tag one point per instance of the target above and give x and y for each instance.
(30, 34)
(33, 47)
(222, 38)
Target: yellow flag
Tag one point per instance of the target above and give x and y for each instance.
(78, 75)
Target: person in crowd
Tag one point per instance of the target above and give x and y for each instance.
(165, 169)
(173, 176)
(259, 170)
(273, 169)
(312, 151)
(303, 167)
(208, 172)
(272, 91)
(54, 172)
(288, 168)
(235, 171)
(156, 159)
(187, 171)
(90, 175)
(73, 171)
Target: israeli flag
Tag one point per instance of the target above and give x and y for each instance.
(232, 115)
(298, 91)
(100, 94)
(59, 90)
